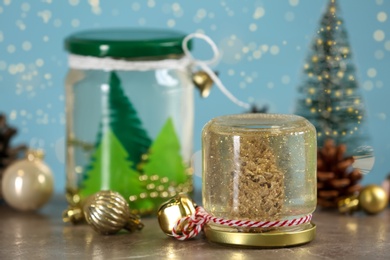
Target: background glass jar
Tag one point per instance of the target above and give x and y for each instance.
(129, 109)
(259, 167)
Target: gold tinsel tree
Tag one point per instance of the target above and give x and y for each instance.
(257, 182)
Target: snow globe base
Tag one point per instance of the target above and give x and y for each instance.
(271, 239)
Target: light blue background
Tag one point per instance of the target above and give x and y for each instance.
(264, 45)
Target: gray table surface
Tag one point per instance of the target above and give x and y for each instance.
(43, 235)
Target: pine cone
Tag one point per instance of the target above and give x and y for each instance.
(8, 154)
(336, 177)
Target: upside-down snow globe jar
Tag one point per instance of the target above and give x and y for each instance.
(129, 116)
(259, 179)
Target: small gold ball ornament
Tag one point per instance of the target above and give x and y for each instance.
(173, 210)
(107, 212)
(373, 199)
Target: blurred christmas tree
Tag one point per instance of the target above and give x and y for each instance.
(164, 162)
(125, 123)
(329, 95)
(111, 169)
(121, 142)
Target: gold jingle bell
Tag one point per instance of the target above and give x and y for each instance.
(203, 82)
(372, 200)
(73, 215)
(173, 210)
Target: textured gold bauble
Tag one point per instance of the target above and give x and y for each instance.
(108, 212)
(173, 210)
(373, 199)
(269, 239)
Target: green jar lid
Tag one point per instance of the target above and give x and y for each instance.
(126, 43)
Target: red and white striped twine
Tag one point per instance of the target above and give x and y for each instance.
(190, 226)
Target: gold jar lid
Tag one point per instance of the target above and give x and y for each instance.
(274, 238)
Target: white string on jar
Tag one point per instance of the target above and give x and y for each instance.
(111, 64)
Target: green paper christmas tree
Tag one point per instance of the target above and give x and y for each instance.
(329, 95)
(110, 168)
(164, 158)
(125, 123)
(121, 144)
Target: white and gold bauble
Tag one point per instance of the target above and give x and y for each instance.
(27, 184)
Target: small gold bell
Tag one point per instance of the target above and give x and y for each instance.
(173, 210)
(203, 82)
(372, 199)
(73, 215)
(349, 204)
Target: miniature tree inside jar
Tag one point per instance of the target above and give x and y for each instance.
(259, 167)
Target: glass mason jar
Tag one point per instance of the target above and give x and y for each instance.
(129, 112)
(259, 167)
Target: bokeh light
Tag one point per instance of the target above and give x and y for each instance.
(382, 17)
(379, 35)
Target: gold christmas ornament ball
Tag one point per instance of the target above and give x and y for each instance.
(373, 199)
(27, 184)
(107, 212)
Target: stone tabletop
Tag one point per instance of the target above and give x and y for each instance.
(43, 235)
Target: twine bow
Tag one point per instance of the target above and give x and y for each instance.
(204, 65)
